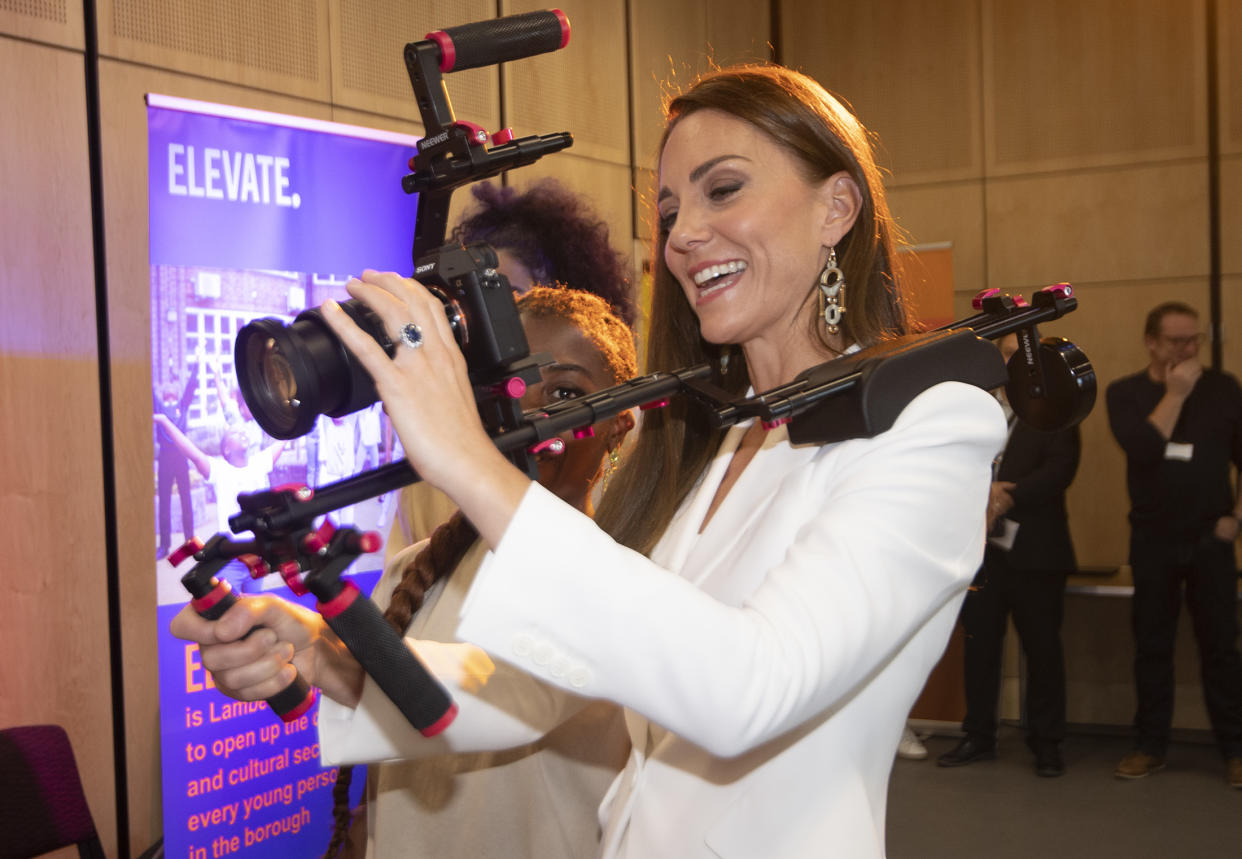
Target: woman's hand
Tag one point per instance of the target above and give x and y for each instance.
(290, 640)
(428, 397)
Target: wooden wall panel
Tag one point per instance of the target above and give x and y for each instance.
(368, 39)
(1092, 82)
(581, 88)
(911, 71)
(277, 45)
(1231, 215)
(57, 22)
(947, 213)
(54, 581)
(1138, 223)
(1229, 74)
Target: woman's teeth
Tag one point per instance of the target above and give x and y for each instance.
(712, 272)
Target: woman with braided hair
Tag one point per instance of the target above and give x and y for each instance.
(540, 798)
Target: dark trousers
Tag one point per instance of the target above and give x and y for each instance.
(1035, 598)
(174, 468)
(1206, 572)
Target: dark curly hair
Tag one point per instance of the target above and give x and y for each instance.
(554, 233)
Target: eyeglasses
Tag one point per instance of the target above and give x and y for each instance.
(1181, 342)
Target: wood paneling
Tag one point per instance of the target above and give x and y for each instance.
(1138, 223)
(909, 69)
(581, 88)
(1229, 74)
(54, 584)
(57, 22)
(279, 45)
(368, 39)
(1099, 82)
(947, 213)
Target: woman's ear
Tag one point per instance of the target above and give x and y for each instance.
(621, 426)
(843, 200)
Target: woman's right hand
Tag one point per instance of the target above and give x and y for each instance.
(292, 640)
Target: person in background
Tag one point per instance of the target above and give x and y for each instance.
(1028, 556)
(765, 611)
(539, 799)
(545, 234)
(172, 467)
(1180, 425)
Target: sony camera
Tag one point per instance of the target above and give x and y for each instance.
(291, 374)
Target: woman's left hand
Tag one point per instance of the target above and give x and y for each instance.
(1228, 528)
(428, 397)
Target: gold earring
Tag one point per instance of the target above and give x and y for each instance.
(832, 293)
(610, 467)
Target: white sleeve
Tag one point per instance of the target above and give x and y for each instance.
(894, 529)
(499, 706)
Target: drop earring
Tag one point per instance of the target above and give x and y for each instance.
(832, 293)
(610, 467)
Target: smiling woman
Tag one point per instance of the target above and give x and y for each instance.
(765, 611)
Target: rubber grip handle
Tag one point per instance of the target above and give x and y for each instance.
(289, 703)
(485, 43)
(383, 655)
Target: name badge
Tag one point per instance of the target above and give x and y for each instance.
(1003, 534)
(1178, 451)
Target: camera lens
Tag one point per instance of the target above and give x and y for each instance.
(291, 374)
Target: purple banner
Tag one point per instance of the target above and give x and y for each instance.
(252, 215)
(235, 193)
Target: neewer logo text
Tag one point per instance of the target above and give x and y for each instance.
(241, 177)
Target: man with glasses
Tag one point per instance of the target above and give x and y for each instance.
(1180, 425)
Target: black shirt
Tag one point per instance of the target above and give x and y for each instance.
(1169, 496)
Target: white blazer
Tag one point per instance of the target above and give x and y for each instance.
(767, 663)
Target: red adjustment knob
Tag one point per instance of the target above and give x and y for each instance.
(513, 388)
(300, 490)
(369, 541)
(187, 549)
(654, 404)
(292, 574)
(257, 566)
(771, 425)
(505, 135)
(584, 432)
(1019, 301)
(977, 301)
(478, 134)
(553, 446)
(1060, 290)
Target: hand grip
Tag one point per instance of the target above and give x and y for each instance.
(384, 656)
(500, 40)
(289, 703)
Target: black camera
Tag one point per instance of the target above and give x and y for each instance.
(291, 374)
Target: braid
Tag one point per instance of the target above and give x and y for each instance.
(447, 546)
(443, 552)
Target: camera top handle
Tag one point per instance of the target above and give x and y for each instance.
(452, 152)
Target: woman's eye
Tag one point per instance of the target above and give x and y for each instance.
(667, 220)
(564, 392)
(724, 191)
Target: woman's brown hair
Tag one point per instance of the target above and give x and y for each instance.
(676, 443)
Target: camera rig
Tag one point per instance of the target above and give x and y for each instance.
(1050, 383)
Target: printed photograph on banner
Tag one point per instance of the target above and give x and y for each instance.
(253, 216)
(208, 446)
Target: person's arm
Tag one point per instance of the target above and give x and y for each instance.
(192, 451)
(1229, 527)
(893, 534)
(1129, 423)
(1179, 381)
(1054, 473)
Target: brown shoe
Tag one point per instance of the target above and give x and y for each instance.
(1233, 772)
(1139, 764)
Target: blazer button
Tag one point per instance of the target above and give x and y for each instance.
(542, 653)
(579, 677)
(523, 643)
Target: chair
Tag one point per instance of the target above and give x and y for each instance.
(42, 805)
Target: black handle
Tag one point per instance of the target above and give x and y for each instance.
(289, 703)
(485, 43)
(384, 656)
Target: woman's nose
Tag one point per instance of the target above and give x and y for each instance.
(689, 228)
